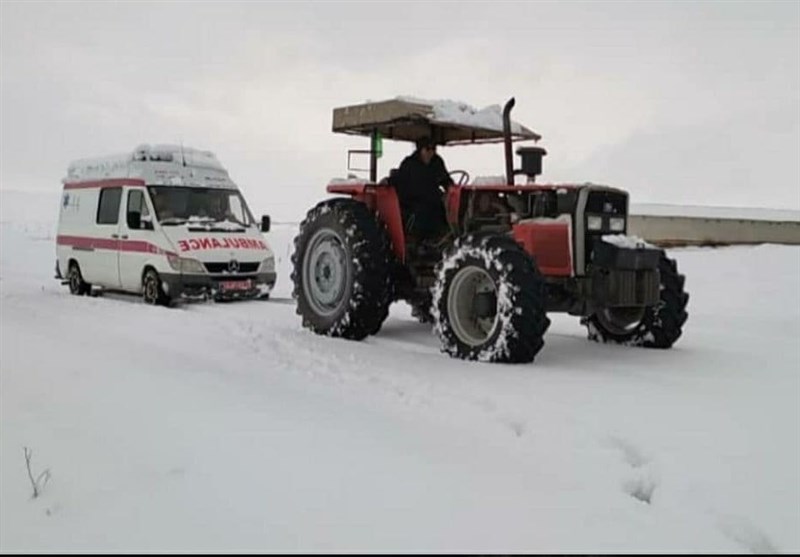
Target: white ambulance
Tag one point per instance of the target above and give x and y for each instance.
(164, 221)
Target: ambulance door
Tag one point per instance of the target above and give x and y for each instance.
(105, 253)
(137, 237)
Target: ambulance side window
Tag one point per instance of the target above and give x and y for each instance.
(236, 208)
(137, 209)
(108, 208)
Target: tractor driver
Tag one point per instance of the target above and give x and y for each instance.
(419, 180)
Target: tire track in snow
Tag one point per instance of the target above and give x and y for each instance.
(642, 481)
(746, 534)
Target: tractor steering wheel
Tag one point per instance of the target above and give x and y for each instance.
(463, 177)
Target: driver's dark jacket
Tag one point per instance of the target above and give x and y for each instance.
(418, 184)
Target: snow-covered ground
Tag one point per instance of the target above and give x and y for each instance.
(227, 427)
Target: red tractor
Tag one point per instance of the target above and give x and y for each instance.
(519, 251)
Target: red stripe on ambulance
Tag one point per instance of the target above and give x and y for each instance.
(197, 244)
(85, 242)
(140, 246)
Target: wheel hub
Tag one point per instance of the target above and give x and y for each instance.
(325, 272)
(472, 305)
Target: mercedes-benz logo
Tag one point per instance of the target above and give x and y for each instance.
(233, 266)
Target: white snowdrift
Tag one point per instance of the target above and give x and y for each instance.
(626, 242)
(228, 428)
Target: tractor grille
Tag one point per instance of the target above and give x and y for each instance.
(626, 288)
(217, 268)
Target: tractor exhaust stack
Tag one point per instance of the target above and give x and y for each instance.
(507, 140)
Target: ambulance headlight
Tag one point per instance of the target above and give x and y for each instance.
(185, 265)
(267, 266)
(617, 224)
(594, 223)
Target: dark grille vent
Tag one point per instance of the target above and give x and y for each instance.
(224, 268)
(626, 288)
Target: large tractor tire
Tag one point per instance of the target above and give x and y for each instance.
(657, 326)
(489, 301)
(341, 270)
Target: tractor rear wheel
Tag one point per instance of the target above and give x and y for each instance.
(489, 301)
(341, 270)
(657, 326)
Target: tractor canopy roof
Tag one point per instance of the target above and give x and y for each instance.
(409, 119)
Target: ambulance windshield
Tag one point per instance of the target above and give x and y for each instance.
(208, 208)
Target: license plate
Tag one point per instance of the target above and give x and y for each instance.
(228, 285)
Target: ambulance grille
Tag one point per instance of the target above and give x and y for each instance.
(224, 268)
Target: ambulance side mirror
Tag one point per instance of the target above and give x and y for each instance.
(134, 220)
(138, 222)
(265, 223)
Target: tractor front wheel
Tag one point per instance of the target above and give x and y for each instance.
(657, 326)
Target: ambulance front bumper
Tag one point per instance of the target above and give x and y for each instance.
(230, 287)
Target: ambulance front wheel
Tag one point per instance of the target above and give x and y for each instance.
(152, 290)
(77, 286)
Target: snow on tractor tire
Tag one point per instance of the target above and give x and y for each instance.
(489, 301)
(341, 270)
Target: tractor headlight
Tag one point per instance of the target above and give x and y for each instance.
(594, 223)
(185, 264)
(267, 266)
(617, 224)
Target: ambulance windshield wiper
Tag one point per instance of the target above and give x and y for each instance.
(172, 221)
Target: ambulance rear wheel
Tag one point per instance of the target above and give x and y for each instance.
(152, 291)
(77, 286)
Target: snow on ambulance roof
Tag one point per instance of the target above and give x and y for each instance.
(156, 165)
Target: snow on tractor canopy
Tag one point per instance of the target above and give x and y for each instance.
(446, 122)
(509, 253)
(408, 119)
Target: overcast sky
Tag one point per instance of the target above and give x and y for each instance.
(678, 102)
